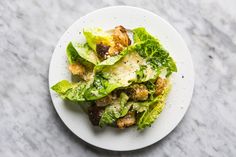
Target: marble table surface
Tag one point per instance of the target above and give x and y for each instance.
(29, 125)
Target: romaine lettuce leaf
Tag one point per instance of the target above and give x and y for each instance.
(61, 87)
(152, 110)
(112, 60)
(72, 54)
(124, 72)
(141, 73)
(85, 52)
(117, 71)
(70, 91)
(121, 74)
(150, 48)
(74, 57)
(151, 88)
(143, 106)
(96, 36)
(145, 73)
(100, 87)
(140, 34)
(114, 111)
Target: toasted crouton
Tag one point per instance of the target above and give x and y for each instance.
(121, 40)
(105, 101)
(77, 69)
(120, 36)
(126, 121)
(160, 85)
(139, 92)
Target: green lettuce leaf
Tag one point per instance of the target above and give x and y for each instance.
(150, 48)
(114, 111)
(121, 74)
(70, 91)
(145, 73)
(72, 54)
(141, 73)
(151, 111)
(112, 60)
(96, 36)
(151, 88)
(74, 57)
(140, 34)
(118, 71)
(85, 52)
(100, 87)
(143, 106)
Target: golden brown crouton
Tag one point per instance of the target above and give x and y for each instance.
(139, 92)
(115, 50)
(121, 40)
(105, 101)
(77, 69)
(120, 36)
(160, 85)
(126, 121)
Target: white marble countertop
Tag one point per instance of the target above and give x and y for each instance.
(29, 125)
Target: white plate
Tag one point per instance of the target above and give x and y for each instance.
(179, 98)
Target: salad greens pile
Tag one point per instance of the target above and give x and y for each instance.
(126, 88)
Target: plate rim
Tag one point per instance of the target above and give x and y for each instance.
(167, 23)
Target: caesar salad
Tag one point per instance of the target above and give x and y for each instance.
(124, 76)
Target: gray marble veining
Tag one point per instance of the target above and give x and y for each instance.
(29, 125)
